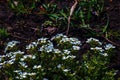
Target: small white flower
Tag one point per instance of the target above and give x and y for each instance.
(66, 51)
(59, 66)
(57, 51)
(31, 45)
(73, 39)
(42, 40)
(93, 39)
(64, 57)
(109, 46)
(15, 3)
(17, 71)
(59, 36)
(17, 77)
(64, 40)
(25, 74)
(98, 48)
(66, 70)
(31, 74)
(1, 64)
(2, 56)
(76, 48)
(10, 45)
(23, 64)
(47, 48)
(69, 56)
(37, 67)
(18, 52)
(33, 57)
(45, 79)
(22, 59)
(11, 61)
(105, 54)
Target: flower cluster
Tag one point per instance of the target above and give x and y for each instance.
(9, 58)
(93, 41)
(103, 50)
(11, 45)
(23, 75)
(44, 57)
(49, 47)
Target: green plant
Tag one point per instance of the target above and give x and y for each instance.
(3, 33)
(85, 11)
(22, 6)
(57, 59)
(96, 60)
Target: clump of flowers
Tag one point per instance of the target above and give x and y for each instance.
(11, 45)
(56, 59)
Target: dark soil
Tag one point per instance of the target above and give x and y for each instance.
(27, 28)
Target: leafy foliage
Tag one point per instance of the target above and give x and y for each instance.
(3, 33)
(45, 60)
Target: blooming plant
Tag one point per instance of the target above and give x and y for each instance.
(56, 59)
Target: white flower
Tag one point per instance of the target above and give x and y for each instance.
(64, 40)
(31, 74)
(11, 61)
(17, 71)
(45, 79)
(66, 51)
(57, 51)
(58, 36)
(2, 56)
(66, 70)
(24, 76)
(69, 56)
(59, 66)
(17, 77)
(73, 39)
(23, 64)
(105, 54)
(31, 45)
(18, 52)
(98, 48)
(64, 57)
(37, 67)
(1, 64)
(28, 56)
(93, 39)
(76, 48)
(109, 46)
(25, 73)
(33, 57)
(42, 40)
(47, 48)
(10, 45)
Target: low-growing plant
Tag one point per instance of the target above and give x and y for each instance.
(22, 6)
(56, 59)
(3, 33)
(86, 10)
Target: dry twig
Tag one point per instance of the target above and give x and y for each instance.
(71, 12)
